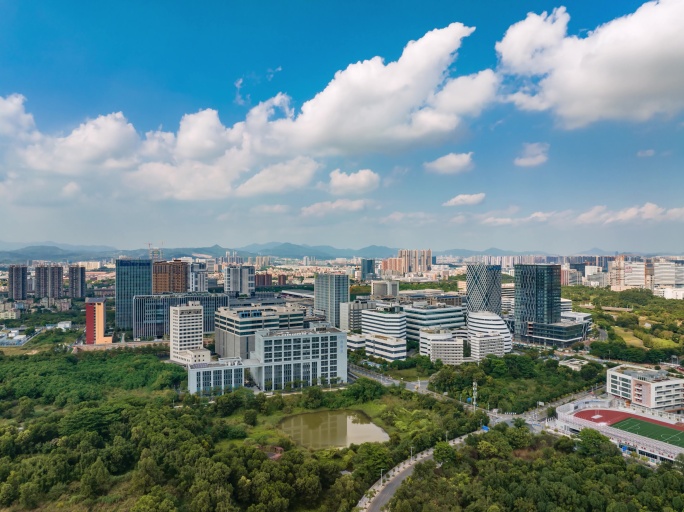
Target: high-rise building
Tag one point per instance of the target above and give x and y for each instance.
(151, 313)
(367, 268)
(263, 280)
(537, 316)
(197, 278)
(419, 260)
(282, 280)
(96, 319)
(169, 276)
(49, 281)
(18, 282)
(484, 288)
(330, 290)
(239, 279)
(537, 296)
(77, 282)
(186, 338)
(133, 277)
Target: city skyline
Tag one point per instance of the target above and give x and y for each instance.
(478, 131)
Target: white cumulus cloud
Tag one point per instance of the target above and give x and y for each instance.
(282, 177)
(645, 153)
(331, 207)
(465, 200)
(629, 68)
(453, 163)
(360, 182)
(533, 154)
(647, 212)
(370, 105)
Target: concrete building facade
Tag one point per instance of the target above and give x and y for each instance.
(186, 339)
(235, 328)
(331, 290)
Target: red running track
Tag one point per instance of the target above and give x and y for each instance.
(611, 417)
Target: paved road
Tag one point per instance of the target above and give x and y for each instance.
(383, 493)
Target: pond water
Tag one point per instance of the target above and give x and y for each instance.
(328, 429)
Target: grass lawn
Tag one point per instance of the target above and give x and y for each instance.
(651, 430)
(633, 341)
(409, 375)
(629, 338)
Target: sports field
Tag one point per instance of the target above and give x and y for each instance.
(651, 430)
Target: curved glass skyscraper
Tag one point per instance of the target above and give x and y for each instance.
(484, 288)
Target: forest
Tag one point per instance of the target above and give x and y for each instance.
(515, 383)
(509, 469)
(110, 431)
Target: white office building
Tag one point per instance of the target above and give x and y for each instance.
(483, 344)
(388, 348)
(486, 322)
(635, 274)
(239, 279)
(356, 341)
(421, 315)
(235, 331)
(331, 290)
(300, 357)
(186, 338)
(350, 313)
(284, 358)
(654, 389)
(441, 344)
(387, 320)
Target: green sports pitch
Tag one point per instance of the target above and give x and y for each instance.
(658, 432)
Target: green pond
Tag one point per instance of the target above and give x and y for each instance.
(327, 429)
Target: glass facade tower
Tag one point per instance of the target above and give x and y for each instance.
(484, 288)
(133, 277)
(537, 297)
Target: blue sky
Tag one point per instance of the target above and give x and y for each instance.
(544, 128)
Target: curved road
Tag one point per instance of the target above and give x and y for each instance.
(381, 494)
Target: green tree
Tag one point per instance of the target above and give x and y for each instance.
(250, 417)
(95, 480)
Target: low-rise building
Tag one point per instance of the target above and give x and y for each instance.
(652, 389)
(421, 315)
(483, 344)
(441, 344)
(387, 320)
(388, 348)
(574, 364)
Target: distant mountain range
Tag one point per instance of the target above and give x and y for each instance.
(11, 252)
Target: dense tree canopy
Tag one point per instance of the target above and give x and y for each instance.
(508, 469)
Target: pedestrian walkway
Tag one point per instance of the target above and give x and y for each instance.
(382, 491)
